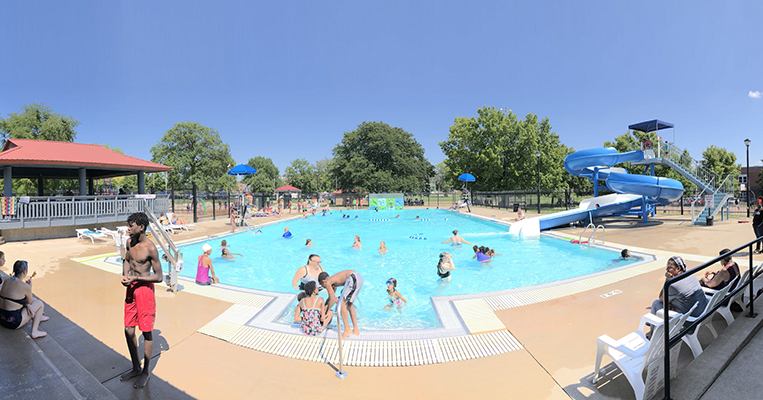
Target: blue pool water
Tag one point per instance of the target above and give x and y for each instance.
(270, 261)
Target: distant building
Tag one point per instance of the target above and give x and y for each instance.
(754, 179)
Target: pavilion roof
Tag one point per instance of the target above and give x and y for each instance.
(50, 159)
(288, 188)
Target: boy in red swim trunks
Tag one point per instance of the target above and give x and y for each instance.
(140, 306)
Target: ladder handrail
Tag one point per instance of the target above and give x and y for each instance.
(174, 256)
(580, 238)
(593, 234)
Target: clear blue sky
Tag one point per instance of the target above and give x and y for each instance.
(287, 80)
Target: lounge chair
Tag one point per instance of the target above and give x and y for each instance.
(92, 235)
(179, 226)
(634, 354)
(691, 338)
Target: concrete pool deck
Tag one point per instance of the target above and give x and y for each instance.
(558, 336)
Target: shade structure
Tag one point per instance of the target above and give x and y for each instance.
(466, 178)
(242, 169)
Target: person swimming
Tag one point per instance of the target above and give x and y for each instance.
(286, 233)
(394, 297)
(479, 253)
(309, 243)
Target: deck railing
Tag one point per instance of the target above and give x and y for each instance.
(37, 212)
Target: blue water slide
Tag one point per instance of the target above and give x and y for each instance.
(631, 190)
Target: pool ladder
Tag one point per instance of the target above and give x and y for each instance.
(592, 236)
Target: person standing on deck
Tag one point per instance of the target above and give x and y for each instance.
(140, 259)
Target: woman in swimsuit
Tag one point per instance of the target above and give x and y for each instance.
(17, 305)
(307, 273)
(309, 311)
(309, 243)
(445, 265)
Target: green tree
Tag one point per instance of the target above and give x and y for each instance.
(301, 174)
(38, 121)
(379, 158)
(264, 180)
(326, 181)
(500, 151)
(196, 153)
(441, 172)
(721, 162)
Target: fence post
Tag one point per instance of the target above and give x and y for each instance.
(751, 313)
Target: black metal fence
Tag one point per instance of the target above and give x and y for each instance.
(689, 274)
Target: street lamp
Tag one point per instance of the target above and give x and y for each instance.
(747, 187)
(537, 154)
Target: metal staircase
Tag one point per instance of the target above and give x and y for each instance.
(705, 179)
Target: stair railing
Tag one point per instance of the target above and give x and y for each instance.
(171, 253)
(592, 238)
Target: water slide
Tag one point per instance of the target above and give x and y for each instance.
(631, 191)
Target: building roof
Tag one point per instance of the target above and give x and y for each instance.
(288, 188)
(61, 160)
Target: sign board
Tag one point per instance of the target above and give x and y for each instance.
(743, 187)
(709, 201)
(145, 196)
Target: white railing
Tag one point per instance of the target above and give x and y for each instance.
(69, 210)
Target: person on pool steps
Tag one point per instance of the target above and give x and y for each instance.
(352, 282)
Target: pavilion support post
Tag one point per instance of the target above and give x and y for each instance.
(40, 190)
(141, 182)
(82, 182)
(7, 181)
(90, 187)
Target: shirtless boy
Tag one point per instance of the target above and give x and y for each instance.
(456, 239)
(352, 282)
(140, 306)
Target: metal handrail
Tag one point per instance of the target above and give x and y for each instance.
(171, 252)
(689, 274)
(590, 225)
(593, 234)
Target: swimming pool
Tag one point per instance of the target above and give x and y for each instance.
(270, 261)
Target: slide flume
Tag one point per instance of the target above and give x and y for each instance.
(630, 190)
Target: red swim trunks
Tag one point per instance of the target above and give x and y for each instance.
(140, 306)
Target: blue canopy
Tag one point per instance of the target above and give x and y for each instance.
(242, 169)
(650, 126)
(466, 178)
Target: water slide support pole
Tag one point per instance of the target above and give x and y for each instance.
(596, 182)
(644, 210)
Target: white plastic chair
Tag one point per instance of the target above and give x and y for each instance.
(737, 298)
(691, 338)
(92, 235)
(634, 354)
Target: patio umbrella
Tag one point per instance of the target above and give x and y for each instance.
(242, 170)
(467, 178)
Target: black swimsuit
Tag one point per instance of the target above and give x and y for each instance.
(12, 319)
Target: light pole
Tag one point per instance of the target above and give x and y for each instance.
(747, 187)
(537, 154)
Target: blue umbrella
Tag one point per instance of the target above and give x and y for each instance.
(242, 169)
(466, 178)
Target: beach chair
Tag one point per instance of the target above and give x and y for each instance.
(92, 235)
(634, 355)
(692, 338)
(725, 311)
(179, 226)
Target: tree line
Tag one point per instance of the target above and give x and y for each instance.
(502, 150)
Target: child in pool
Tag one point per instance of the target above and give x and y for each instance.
(356, 243)
(395, 298)
(310, 312)
(382, 248)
